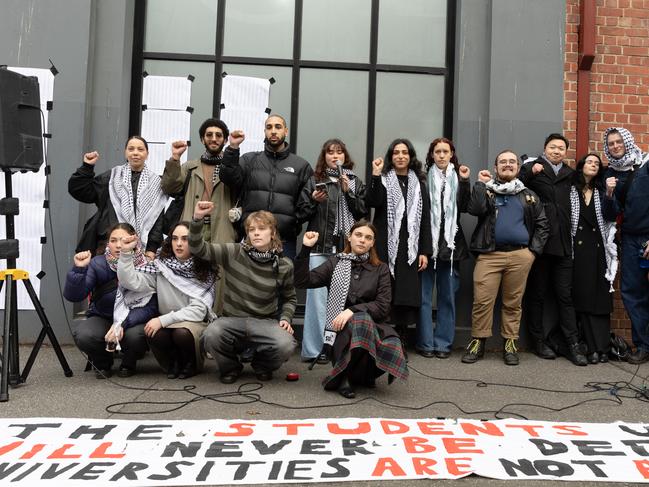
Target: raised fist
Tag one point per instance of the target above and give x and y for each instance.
(465, 172)
(537, 168)
(178, 148)
(82, 259)
(377, 166)
(236, 138)
(202, 209)
(484, 176)
(129, 243)
(91, 157)
(610, 186)
(310, 239)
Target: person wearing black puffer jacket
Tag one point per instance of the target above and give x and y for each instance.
(270, 180)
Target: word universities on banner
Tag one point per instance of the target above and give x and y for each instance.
(71, 452)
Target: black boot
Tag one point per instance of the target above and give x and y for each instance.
(575, 355)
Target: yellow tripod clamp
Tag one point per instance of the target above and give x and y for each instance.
(16, 274)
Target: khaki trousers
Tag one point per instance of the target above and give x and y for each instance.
(491, 270)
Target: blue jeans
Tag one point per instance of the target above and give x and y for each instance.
(635, 289)
(289, 249)
(440, 336)
(315, 313)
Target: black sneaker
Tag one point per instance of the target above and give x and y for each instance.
(510, 353)
(544, 351)
(474, 351)
(640, 356)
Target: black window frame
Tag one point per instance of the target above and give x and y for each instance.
(296, 63)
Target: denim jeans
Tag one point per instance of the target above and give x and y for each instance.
(315, 313)
(438, 337)
(635, 289)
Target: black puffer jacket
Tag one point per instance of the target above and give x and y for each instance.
(270, 181)
(322, 216)
(483, 205)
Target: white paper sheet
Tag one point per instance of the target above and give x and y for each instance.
(29, 188)
(245, 101)
(166, 92)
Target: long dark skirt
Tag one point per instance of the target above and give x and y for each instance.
(365, 350)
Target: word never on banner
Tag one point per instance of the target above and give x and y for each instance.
(71, 452)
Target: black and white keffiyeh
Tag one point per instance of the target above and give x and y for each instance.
(259, 256)
(606, 230)
(125, 299)
(150, 199)
(181, 275)
(396, 206)
(338, 290)
(514, 186)
(346, 217)
(633, 156)
(213, 160)
(443, 184)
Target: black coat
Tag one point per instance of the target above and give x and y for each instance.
(321, 217)
(406, 287)
(369, 289)
(270, 181)
(483, 205)
(554, 191)
(85, 187)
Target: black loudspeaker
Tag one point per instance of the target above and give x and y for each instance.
(21, 133)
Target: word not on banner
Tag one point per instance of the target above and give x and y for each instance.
(71, 452)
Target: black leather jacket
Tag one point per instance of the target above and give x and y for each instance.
(483, 205)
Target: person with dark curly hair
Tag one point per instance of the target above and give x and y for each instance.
(397, 192)
(185, 288)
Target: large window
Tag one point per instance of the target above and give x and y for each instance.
(366, 71)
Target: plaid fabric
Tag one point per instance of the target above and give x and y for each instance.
(385, 352)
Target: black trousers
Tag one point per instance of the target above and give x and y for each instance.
(89, 337)
(553, 273)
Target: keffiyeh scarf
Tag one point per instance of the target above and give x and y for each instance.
(338, 290)
(633, 156)
(213, 160)
(150, 199)
(514, 186)
(346, 217)
(259, 256)
(125, 299)
(181, 275)
(396, 206)
(606, 230)
(442, 187)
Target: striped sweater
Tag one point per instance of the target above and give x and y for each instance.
(250, 288)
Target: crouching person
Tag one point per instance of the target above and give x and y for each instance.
(511, 231)
(257, 278)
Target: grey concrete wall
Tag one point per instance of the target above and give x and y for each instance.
(508, 91)
(89, 42)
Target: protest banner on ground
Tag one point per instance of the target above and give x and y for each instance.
(71, 452)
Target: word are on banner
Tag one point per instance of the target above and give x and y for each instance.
(71, 452)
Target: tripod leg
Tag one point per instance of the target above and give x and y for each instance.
(47, 330)
(4, 379)
(14, 352)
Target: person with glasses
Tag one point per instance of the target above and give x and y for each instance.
(200, 180)
(511, 231)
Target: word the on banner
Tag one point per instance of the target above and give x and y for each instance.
(57, 451)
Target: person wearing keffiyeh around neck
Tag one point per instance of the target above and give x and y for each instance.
(112, 308)
(398, 194)
(550, 177)
(331, 201)
(627, 200)
(201, 178)
(185, 288)
(358, 303)
(594, 259)
(511, 231)
(259, 299)
(128, 193)
(450, 191)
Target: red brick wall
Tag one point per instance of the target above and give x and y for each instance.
(619, 84)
